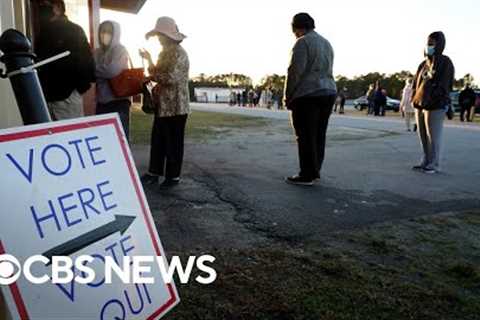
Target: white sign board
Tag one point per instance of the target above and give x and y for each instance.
(60, 184)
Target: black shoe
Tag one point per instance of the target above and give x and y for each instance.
(149, 179)
(170, 182)
(418, 168)
(299, 181)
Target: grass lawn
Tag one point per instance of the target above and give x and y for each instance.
(427, 268)
(200, 125)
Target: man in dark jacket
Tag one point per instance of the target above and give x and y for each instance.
(380, 101)
(431, 99)
(466, 100)
(65, 80)
(310, 92)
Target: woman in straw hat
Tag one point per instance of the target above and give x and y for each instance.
(171, 98)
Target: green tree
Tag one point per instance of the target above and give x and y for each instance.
(273, 82)
(228, 80)
(358, 86)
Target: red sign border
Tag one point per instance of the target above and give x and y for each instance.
(21, 308)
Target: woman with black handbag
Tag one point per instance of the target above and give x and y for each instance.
(171, 99)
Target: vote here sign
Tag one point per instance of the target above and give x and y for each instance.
(71, 188)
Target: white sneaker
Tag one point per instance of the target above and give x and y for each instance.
(429, 171)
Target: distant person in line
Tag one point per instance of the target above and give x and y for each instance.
(244, 98)
(406, 105)
(370, 95)
(269, 98)
(431, 98)
(171, 98)
(340, 102)
(466, 100)
(380, 101)
(251, 97)
(258, 94)
(66, 80)
(265, 99)
(383, 107)
(111, 59)
(277, 99)
(310, 92)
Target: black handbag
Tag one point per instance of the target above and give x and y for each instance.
(148, 105)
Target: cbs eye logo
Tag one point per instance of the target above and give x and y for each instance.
(8, 265)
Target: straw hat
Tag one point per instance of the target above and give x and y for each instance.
(167, 27)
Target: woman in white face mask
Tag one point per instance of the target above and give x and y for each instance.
(431, 99)
(111, 59)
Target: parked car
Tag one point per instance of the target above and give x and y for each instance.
(362, 103)
(454, 100)
(393, 104)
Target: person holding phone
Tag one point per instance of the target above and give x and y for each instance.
(172, 103)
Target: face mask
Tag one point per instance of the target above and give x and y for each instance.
(430, 50)
(106, 39)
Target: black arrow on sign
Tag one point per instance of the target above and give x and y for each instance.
(120, 224)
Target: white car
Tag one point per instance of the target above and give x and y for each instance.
(362, 103)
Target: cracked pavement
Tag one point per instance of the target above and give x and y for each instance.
(233, 194)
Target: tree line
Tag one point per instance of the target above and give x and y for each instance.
(352, 87)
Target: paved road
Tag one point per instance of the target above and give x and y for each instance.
(284, 115)
(234, 194)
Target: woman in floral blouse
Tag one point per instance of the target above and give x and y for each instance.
(171, 98)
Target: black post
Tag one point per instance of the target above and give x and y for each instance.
(18, 54)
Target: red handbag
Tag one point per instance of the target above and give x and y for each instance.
(128, 83)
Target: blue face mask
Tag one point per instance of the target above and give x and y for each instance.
(430, 50)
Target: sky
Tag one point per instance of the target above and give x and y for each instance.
(254, 37)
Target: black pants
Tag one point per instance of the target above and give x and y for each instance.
(166, 153)
(122, 107)
(310, 117)
(465, 109)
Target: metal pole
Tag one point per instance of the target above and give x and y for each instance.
(18, 56)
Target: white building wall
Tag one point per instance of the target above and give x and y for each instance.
(212, 95)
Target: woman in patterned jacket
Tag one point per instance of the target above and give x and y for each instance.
(171, 98)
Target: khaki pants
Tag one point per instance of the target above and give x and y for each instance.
(70, 108)
(409, 115)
